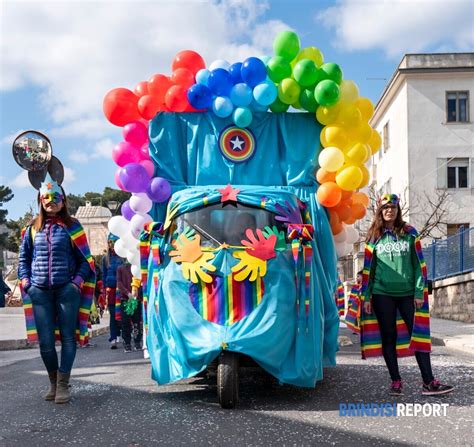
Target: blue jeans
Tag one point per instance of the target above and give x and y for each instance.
(61, 306)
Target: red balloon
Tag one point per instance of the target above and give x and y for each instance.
(176, 98)
(158, 85)
(141, 89)
(148, 106)
(183, 77)
(188, 59)
(121, 106)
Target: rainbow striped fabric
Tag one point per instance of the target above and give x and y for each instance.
(371, 343)
(78, 238)
(352, 318)
(340, 297)
(226, 301)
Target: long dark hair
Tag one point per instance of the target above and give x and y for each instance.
(376, 228)
(39, 221)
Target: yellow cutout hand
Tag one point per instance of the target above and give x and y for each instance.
(186, 250)
(248, 265)
(193, 270)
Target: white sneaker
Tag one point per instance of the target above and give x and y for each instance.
(113, 344)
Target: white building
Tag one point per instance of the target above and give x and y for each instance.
(425, 119)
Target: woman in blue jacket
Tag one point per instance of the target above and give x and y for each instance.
(54, 264)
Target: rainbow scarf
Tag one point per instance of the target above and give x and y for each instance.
(226, 301)
(79, 239)
(420, 340)
(352, 318)
(340, 297)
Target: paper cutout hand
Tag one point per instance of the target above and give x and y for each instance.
(193, 270)
(281, 242)
(262, 248)
(287, 213)
(248, 265)
(187, 250)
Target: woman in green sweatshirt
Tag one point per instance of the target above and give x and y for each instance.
(394, 290)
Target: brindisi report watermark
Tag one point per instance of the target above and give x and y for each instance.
(388, 409)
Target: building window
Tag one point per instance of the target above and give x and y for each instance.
(457, 107)
(453, 229)
(386, 136)
(457, 173)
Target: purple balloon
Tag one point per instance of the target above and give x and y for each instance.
(127, 212)
(159, 190)
(134, 177)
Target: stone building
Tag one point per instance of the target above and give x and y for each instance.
(94, 219)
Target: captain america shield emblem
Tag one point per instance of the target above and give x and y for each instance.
(237, 144)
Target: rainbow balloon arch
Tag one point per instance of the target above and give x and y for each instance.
(292, 77)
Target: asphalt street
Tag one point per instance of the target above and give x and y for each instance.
(116, 403)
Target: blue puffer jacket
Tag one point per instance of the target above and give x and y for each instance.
(51, 260)
(110, 264)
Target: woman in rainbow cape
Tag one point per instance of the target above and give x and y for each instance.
(57, 277)
(395, 315)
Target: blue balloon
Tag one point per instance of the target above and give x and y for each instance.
(241, 95)
(242, 117)
(234, 71)
(202, 76)
(253, 71)
(220, 82)
(222, 106)
(265, 93)
(256, 107)
(200, 96)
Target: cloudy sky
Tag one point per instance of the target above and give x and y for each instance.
(59, 58)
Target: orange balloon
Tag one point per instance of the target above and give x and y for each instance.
(176, 98)
(148, 106)
(158, 85)
(346, 195)
(121, 106)
(329, 194)
(188, 59)
(350, 221)
(323, 176)
(183, 77)
(343, 211)
(361, 197)
(336, 229)
(333, 217)
(358, 211)
(141, 89)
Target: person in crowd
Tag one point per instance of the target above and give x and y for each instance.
(110, 263)
(131, 307)
(5, 291)
(394, 289)
(57, 277)
(352, 318)
(339, 297)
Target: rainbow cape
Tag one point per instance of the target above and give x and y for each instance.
(420, 340)
(340, 301)
(79, 239)
(352, 319)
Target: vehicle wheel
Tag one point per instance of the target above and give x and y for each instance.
(228, 379)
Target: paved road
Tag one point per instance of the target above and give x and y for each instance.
(116, 403)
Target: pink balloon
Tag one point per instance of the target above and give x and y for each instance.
(143, 153)
(149, 166)
(124, 153)
(117, 179)
(135, 133)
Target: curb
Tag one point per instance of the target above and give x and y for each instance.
(12, 345)
(457, 345)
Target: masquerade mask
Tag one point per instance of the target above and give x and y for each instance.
(50, 190)
(392, 199)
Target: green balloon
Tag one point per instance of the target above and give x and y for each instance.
(286, 45)
(278, 68)
(288, 91)
(278, 106)
(305, 73)
(307, 100)
(326, 93)
(331, 71)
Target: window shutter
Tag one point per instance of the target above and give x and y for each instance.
(441, 173)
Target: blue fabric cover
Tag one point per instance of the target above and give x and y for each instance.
(181, 343)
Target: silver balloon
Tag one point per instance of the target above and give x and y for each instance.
(32, 150)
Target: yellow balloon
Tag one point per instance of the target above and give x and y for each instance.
(334, 136)
(365, 177)
(331, 159)
(349, 178)
(366, 108)
(375, 142)
(288, 91)
(349, 115)
(357, 154)
(311, 53)
(361, 133)
(327, 114)
(349, 91)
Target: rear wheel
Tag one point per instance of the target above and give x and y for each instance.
(228, 379)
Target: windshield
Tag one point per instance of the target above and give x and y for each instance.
(225, 222)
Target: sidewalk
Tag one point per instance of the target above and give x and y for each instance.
(13, 331)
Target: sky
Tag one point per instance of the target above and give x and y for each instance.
(58, 59)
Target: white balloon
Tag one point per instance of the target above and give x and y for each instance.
(130, 241)
(120, 248)
(138, 221)
(118, 225)
(352, 234)
(133, 257)
(219, 63)
(341, 236)
(342, 249)
(136, 271)
(140, 203)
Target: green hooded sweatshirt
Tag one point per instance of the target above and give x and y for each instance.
(395, 268)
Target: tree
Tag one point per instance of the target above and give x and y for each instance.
(74, 202)
(5, 196)
(15, 227)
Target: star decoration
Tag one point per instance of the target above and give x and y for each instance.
(229, 194)
(224, 246)
(49, 185)
(237, 143)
